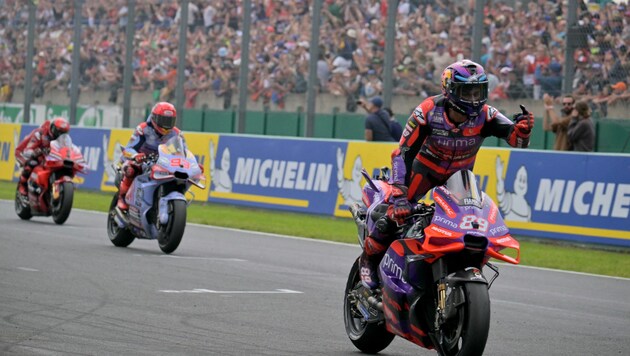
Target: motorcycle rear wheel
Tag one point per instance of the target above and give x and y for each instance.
(119, 237)
(370, 338)
(170, 235)
(22, 210)
(62, 206)
(467, 332)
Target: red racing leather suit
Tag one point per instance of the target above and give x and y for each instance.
(144, 140)
(31, 152)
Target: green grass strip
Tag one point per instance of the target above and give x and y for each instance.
(588, 259)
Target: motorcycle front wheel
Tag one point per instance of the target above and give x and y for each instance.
(367, 337)
(170, 235)
(62, 206)
(120, 237)
(466, 332)
(22, 209)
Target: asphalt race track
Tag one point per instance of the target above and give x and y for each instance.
(66, 290)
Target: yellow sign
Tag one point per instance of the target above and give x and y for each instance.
(369, 155)
(203, 146)
(118, 138)
(9, 139)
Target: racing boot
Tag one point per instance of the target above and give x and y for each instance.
(373, 251)
(369, 271)
(23, 184)
(22, 189)
(122, 205)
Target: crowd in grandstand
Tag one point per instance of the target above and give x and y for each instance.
(523, 47)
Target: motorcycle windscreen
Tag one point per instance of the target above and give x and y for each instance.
(463, 188)
(174, 147)
(63, 140)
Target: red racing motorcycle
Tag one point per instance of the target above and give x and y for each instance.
(50, 186)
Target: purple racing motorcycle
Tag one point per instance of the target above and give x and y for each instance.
(433, 291)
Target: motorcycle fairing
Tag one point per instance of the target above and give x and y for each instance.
(140, 200)
(398, 293)
(163, 205)
(174, 164)
(37, 187)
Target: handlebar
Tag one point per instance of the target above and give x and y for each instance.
(151, 158)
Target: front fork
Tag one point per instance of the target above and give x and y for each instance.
(439, 274)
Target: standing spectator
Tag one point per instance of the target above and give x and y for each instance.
(581, 130)
(377, 124)
(558, 125)
(394, 126)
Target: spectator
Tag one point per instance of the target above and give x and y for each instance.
(619, 94)
(394, 125)
(558, 125)
(550, 79)
(441, 58)
(377, 124)
(516, 89)
(352, 32)
(6, 93)
(581, 130)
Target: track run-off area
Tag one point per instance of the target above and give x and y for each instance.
(66, 290)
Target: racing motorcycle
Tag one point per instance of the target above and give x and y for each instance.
(156, 198)
(433, 291)
(50, 185)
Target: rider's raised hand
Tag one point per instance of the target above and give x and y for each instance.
(524, 122)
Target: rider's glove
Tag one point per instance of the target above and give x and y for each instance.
(524, 123)
(399, 207)
(139, 157)
(33, 153)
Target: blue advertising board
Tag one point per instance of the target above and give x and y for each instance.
(288, 174)
(584, 197)
(92, 143)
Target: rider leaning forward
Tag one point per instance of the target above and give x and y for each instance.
(442, 136)
(159, 128)
(32, 150)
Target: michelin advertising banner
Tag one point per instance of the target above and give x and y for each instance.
(546, 194)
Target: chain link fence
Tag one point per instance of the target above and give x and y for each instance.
(523, 47)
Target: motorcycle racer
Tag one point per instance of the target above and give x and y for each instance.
(32, 150)
(442, 136)
(157, 129)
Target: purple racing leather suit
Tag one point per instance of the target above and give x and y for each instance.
(433, 147)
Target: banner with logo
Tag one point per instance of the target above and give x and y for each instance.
(10, 112)
(583, 197)
(287, 174)
(349, 181)
(9, 139)
(112, 148)
(92, 144)
(546, 194)
(203, 146)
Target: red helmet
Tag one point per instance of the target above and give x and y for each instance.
(163, 117)
(58, 126)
